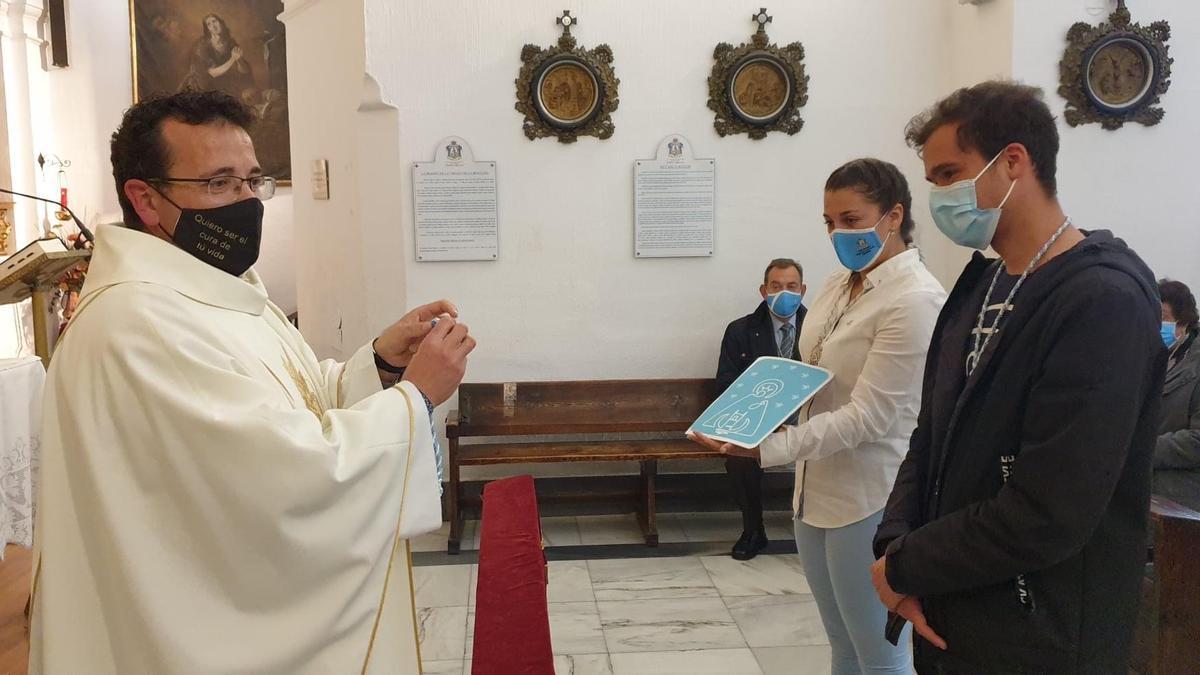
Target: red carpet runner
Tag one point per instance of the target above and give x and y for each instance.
(512, 624)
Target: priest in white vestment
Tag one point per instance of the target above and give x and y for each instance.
(214, 499)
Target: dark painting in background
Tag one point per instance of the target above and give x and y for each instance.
(235, 46)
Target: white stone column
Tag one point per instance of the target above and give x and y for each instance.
(23, 79)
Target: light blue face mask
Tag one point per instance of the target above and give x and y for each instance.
(858, 249)
(955, 210)
(784, 304)
(1168, 333)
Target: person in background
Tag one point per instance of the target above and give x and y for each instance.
(771, 330)
(1177, 450)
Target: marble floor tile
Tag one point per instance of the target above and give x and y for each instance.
(473, 586)
(670, 530)
(609, 529)
(764, 575)
(582, 664)
(560, 531)
(650, 579)
(699, 662)
(442, 585)
(436, 541)
(441, 667)
(780, 526)
(442, 632)
(469, 644)
(471, 533)
(432, 541)
(794, 660)
(668, 625)
(778, 620)
(720, 526)
(570, 581)
(575, 628)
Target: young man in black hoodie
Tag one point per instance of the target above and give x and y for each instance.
(1015, 536)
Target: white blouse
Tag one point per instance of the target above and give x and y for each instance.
(854, 433)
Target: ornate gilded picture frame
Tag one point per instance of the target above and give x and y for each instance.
(1115, 72)
(567, 91)
(758, 87)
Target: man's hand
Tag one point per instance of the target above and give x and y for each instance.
(400, 341)
(887, 596)
(906, 606)
(441, 360)
(723, 448)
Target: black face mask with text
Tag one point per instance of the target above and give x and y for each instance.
(227, 237)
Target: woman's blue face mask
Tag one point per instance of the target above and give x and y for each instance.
(859, 249)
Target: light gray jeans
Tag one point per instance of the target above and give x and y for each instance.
(837, 562)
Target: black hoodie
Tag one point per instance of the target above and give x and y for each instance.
(1065, 401)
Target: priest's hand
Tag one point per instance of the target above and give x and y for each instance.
(723, 448)
(400, 340)
(441, 360)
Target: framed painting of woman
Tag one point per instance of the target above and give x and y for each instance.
(235, 46)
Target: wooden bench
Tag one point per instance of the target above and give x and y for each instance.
(534, 410)
(1168, 631)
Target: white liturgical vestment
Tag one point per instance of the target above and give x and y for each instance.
(214, 499)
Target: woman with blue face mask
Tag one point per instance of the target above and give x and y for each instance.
(870, 325)
(1177, 449)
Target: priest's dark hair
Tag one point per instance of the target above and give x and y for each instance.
(881, 184)
(138, 151)
(990, 116)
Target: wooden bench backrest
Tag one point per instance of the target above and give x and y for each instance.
(577, 407)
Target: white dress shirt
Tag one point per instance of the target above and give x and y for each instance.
(854, 433)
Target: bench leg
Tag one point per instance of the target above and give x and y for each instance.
(454, 501)
(647, 517)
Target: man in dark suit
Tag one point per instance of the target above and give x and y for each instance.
(771, 330)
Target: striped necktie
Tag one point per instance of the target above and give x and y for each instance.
(787, 341)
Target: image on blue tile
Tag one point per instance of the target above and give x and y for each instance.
(760, 400)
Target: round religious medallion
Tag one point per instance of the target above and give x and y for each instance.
(1119, 73)
(759, 89)
(566, 91)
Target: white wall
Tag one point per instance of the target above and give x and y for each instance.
(1140, 182)
(978, 41)
(74, 112)
(567, 299)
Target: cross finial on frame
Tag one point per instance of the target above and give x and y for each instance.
(762, 19)
(566, 21)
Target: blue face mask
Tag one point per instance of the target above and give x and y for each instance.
(1168, 333)
(955, 210)
(784, 304)
(858, 249)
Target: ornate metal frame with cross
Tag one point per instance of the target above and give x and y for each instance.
(1115, 72)
(758, 87)
(567, 91)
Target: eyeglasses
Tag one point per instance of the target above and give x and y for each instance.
(263, 187)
